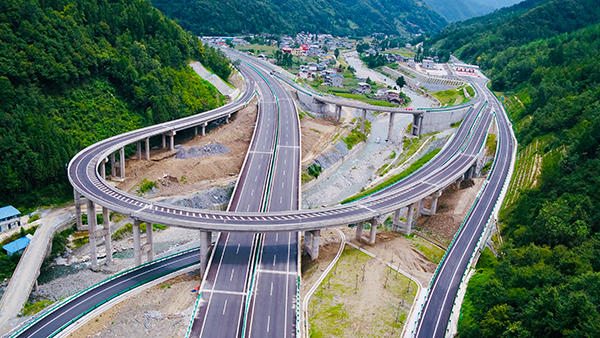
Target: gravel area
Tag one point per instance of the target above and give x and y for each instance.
(206, 150)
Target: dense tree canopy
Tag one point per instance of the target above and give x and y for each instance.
(75, 72)
(337, 17)
(513, 27)
(545, 282)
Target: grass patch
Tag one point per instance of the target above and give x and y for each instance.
(432, 252)
(491, 143)
(33, 218)
(471, 91)
(363, 98)
(450, 97)
(356, 136)
(413, 167)
(331, 309)
(127, 230)
(456, 124)
(146, 186)
(31, 309)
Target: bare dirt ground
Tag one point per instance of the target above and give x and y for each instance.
(163, 310)
(197, 173)
(453, 207)
(316, 134)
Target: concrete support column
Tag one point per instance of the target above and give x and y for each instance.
(113, 166)
(307, 242)
(434, 201)
(457, 184)
(417, 121)
(359, 229)
(78, 220)
(149, 242)
(391, 128)
(147, 148)
(122, 162)
(205, 243)
(139, 150)
(195, 130)
(338, 113)
(107, 239)
(316, 237)
(91, 216)
(373, 231)
(396, 221)
(420, 207)
(364, 121)
(172, 141)
(227, 118)
(164, 141)
(204, 128)
(409, 219)
(473, 171)
(103, 169)
(137, 245)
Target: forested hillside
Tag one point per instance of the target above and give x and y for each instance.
(545, 281)
(337, 17)
(514, 26)
(73, 72)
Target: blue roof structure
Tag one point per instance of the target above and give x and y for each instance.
(17, 245)
(9, 211)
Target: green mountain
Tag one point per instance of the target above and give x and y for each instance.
(73, 72)
(337, 17)
(542, 58)
(514, 26)
(458, 10)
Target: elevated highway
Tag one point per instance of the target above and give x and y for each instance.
(450, 165)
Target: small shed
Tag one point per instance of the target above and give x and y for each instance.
(17, 246)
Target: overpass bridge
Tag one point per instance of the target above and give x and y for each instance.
(455, 162)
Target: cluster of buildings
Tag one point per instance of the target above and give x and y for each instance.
(10, 218)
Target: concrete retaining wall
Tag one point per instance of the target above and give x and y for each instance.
(438, 121)
(313, 106)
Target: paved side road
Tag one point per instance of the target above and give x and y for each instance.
(27, 271)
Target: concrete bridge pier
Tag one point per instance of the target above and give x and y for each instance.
(139, 150)
(396, 221)
(91, 216)
(164, 141)
(196, 131)
(138, 248)
(373, 231)
(338, 113)
(204, 128)
(79, 200)
(417, 124)
(457, 183)
(434, 200)
(103, 169)
(311, 243)
(227, 118)
(390, 128)
(113, 166)
(359, 229)
(205, 243)
(106, 234)
(172, 141)
(472, 173)
(122, 162)
(364, 121)
(147, 148)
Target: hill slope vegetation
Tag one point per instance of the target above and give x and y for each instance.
(337, 17)
(545, 280)
(78, 71)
